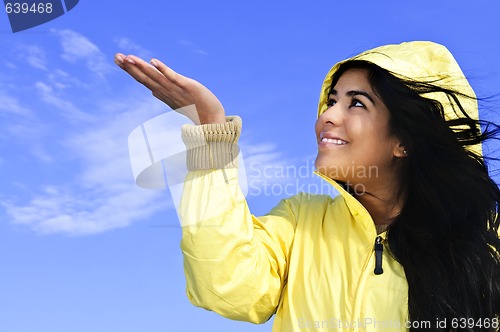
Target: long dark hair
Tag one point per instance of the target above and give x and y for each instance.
(446, 234)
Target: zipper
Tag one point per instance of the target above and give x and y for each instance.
(379, 249)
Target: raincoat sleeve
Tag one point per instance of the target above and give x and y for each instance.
(235, 263)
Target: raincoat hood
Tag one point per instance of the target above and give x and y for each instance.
(421, 61)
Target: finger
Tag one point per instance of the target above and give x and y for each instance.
(171, 75)
(149, 70)
(155, 81)
(139, 75)
(139, 69)
(119, 59)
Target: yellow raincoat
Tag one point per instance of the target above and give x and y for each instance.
(312, 259)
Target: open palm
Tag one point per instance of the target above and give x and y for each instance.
(175, 90)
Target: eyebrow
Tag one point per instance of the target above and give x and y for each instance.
(353, 93)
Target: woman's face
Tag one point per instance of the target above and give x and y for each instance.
(354, 144)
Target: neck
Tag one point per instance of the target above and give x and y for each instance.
(382, 203)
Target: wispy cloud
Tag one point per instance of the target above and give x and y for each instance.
(98, 193)
(102, 195)
(21, 130)
(77, 47)
(11, 105)
(61, 80)
(60, 210)
(33, 55)
(69, 110)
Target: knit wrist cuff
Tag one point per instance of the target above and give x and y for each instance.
(212, 146)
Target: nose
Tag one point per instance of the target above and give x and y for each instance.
(333, 115)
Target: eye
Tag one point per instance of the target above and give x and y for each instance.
(330, 102)
(357, 103)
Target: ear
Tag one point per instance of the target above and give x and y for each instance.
(399, 150)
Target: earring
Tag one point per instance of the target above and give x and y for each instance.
(405, 152)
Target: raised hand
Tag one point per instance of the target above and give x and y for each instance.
(174, 89)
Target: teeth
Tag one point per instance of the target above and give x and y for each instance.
(334, 141)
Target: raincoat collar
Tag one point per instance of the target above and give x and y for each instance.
(358, 211)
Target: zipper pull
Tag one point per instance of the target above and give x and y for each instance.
(379, 249)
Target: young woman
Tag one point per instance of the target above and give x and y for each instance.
(412, 246)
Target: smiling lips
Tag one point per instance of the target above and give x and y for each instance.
(334, 141)
(331, 139)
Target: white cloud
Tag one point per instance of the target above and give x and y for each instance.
(69, 110)
(61, 210)
(33, 55)
(77, 47)
(101, 195)
(10, 105)
(97, 193)
(19, 122)
(61, 80)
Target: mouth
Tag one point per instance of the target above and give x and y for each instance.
(326, 138)
(335, 141)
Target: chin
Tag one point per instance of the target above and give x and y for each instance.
(320, 167)
(324, 166)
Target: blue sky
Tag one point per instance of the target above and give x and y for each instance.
(82, 248)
